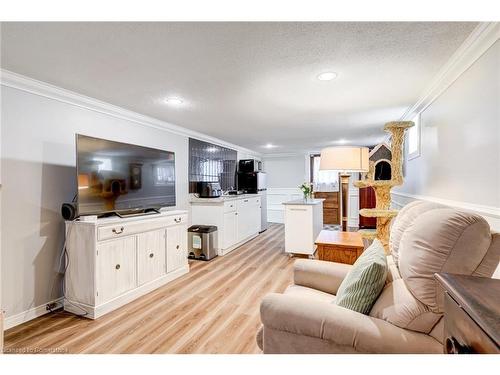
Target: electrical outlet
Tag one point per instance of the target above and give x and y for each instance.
(50, 306)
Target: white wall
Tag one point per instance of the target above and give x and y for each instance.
(459, 162)
(38, 175)
(285, 174)
(285, 171)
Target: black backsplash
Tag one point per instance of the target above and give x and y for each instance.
(211, 163)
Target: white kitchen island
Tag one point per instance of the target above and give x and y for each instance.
(303, 222)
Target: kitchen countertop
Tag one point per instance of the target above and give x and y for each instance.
(222, 199)
(302, 202)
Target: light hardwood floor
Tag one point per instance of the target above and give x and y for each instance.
(213, 309)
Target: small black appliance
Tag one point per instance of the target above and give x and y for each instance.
(208, 189)
(249, 165)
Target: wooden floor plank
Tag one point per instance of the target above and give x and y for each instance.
(212, 309)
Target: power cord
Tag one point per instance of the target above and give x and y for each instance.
(64, 257)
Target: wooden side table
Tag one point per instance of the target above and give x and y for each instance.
(340, 247)
(471, 314)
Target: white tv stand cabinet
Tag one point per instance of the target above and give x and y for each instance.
(113, 261)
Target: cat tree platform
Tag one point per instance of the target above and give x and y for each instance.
(373, 212)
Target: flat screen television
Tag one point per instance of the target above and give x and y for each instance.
(121, 178)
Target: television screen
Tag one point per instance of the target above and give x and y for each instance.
(119, 177)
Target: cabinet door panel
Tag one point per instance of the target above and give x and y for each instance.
(256, 218)
(230, 230)
(116, 268)
(176, 247)
(243, 224)
(150, 256)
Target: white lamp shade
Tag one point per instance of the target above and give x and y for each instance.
(349, 159)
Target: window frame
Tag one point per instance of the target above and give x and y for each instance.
(413, 155)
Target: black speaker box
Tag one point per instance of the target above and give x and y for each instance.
(69, 211)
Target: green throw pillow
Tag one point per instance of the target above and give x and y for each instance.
(364, 282)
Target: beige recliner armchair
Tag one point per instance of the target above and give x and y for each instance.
(426, 238)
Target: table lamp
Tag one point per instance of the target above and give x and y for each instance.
(344, 159)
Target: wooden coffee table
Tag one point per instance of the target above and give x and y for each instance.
(340, 247)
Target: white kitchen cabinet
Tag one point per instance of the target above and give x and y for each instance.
(113, 261)
(303, 222)
(237, 218)
(248, 217)
(176, 247)
(230, 234)
(151, 253)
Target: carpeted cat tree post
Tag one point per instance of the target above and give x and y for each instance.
(382, 188)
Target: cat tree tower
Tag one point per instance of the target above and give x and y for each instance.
(382, 188)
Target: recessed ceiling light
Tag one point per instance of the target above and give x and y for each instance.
(342, 141)
(174, 101)
(269, 145)
(327, 76)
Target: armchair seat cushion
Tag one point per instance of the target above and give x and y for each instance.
(305, 292)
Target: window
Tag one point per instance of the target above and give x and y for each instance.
(104, 164)
(163, 174)
(211, 163)
(323, 180)
(414, 139)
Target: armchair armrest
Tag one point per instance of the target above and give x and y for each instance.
(342, 326)
(320, 275)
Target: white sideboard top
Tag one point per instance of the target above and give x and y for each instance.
(117, 219)
(222, 199)
(302, 202)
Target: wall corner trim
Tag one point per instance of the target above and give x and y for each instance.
(476, 44)
(33, 86)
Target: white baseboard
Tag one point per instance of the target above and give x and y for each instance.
(25, 316)
(490, 213)
(94, 312)
(222, 252)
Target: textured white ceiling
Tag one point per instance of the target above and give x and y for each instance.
(246, 83)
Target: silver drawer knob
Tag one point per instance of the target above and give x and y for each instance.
(178, 219)
(117, 266)
(151, 255)
(118, 231)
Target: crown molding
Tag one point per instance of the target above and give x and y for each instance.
(33, 86)
(476, 44)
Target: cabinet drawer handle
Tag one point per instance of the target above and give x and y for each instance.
(117, 266)
(178, 219)
(117, 232)
(246, 200)
(151, 255)
(177, 246)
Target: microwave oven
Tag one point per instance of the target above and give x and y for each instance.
(249, 165)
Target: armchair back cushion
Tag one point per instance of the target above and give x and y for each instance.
(362, 285)
(427, 238)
